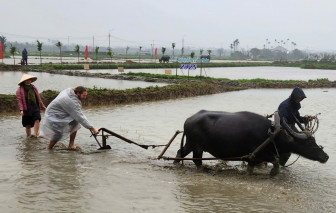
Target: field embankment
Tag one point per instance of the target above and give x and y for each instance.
(98, 97)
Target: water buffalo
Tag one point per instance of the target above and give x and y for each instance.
(225, 134)
(205, 57)
(164, 59)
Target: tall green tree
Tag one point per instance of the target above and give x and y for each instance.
(39, 48)
(173, 46)
(96, 51)
(59, 45)
(3, 40)
(163, 50)
(201, 52)
(127, 48)
(192, 54)
(77, 51)
(109, 53)
(235, 45)
(140, 52)
(209, 52)
(12, 51)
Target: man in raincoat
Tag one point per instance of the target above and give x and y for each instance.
(289, 115)
(64, 116)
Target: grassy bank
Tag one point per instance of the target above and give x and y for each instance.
(134, 65)
(322, 66)
(192, 88)
(98, 97)
(255, 80)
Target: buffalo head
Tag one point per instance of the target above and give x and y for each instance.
(308, 148)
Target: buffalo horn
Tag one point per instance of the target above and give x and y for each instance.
(297, 135)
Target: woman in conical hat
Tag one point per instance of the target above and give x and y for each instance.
(30, 103)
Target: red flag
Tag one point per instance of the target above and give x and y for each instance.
(1, 51)
(86, 52)
(155, 53)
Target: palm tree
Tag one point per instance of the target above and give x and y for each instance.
(173, 46)
(201, 52)
(140, 52)
(96, 50)
(39, 48)
(163, 50)
(127, 48)
(266, 43)
(209, 52)
(12, 51)
(59, 45)
(182, 51)
(235, 45)
(231, 47)
(77, 51)
(109, 53)
(192, 54)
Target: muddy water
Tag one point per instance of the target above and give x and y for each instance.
(129, 179)
(276, 73)
(10, 80)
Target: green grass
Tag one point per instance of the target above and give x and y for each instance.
(327, 66)
(153, 65)
(256, 80)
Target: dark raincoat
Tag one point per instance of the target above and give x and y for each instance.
(289, 109)
(24, 54)
(289, 113)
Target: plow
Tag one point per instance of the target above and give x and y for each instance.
(273, 132)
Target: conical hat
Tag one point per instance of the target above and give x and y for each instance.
(26, 77)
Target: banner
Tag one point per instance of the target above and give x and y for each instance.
(155, 53)
(1, 57)
(86, 52)
(86, 66)
(168, 72)
(120, 69)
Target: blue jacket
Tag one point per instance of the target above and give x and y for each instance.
(24, 53)
(289, 108)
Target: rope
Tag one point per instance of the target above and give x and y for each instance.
(313, 125)
(293, 162)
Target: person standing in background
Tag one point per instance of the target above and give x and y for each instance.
(25, 56)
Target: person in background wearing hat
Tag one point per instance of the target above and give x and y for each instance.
(289, 115)
(64, 116)
(30, 103)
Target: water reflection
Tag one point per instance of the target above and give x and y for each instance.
(46, 81)
(276, 73)
(52, 177)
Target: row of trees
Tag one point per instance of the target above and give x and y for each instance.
(267, 54)
(279, 42)
(254, 53)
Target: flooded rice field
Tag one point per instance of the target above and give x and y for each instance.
(47, 81)
(130, 179)
(275, 73)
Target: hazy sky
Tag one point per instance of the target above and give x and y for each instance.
(202, 23)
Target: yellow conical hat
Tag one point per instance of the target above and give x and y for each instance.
(26, 77)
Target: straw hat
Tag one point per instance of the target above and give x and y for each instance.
(26, 77)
